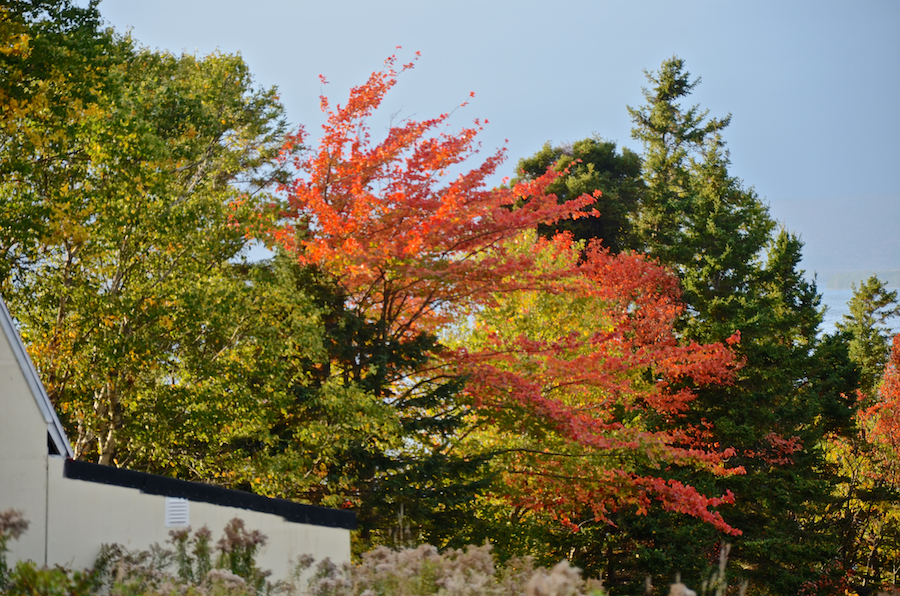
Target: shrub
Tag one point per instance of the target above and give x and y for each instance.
(12, 525)
(27, 579)
(424, 571)
(188, 568)
(237, 551)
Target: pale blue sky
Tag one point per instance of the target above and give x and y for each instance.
(812, 86)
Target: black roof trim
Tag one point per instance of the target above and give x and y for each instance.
(207, 493)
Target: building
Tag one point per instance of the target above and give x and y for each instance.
(74, 507)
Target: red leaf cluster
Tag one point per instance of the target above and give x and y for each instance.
(590, 389)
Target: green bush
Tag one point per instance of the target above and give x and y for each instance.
(27, 579)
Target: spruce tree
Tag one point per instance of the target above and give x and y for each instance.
(739, 275)
(672, 138)
(871, 306)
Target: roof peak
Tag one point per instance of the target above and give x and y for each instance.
(57, 438)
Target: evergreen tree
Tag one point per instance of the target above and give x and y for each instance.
(871, 306)
(738, 275)
(671, 138)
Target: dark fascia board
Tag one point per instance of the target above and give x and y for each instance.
(56, 434)
(207, 493)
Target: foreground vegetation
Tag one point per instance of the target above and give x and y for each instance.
(192, 565)
(613, 360)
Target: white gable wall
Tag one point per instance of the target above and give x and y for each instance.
(23, 453)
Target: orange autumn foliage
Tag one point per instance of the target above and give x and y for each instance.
(406, 240)
(414, 248)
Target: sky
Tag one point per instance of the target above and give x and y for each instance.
(812, 86)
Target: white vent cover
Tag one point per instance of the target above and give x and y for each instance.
(177, 512)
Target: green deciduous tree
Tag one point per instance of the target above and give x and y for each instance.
(138, 197)
(54, 57)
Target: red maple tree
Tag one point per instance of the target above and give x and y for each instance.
(415, 246)
(884, 416)
(595, 407)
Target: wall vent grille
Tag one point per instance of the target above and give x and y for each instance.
(177, 512)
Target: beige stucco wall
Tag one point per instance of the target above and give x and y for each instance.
(23, 455)
(84, 515)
